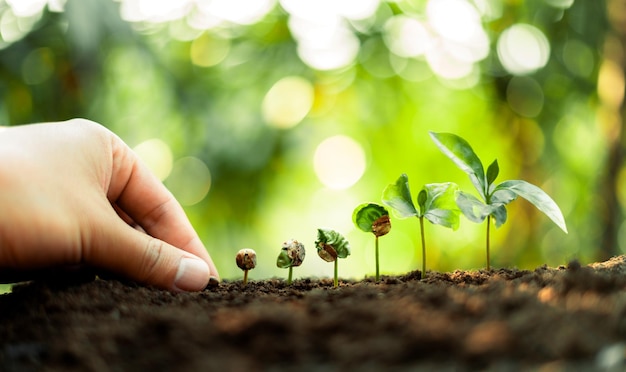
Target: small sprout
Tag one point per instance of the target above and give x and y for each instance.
(291, 254)
(332, 245)
(494, 197)
(435, 202)
(374, 218)
(246, 260)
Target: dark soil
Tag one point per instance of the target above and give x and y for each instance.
(566, 318)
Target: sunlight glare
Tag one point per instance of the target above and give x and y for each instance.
(339, 162)
(406, 36)
(29, 8)
(325, 40)
(243, 12)
(455, 20)
(154, 10)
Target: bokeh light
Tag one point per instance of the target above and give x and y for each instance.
(189, 180)
(523, 49)
(339, 162)
(30, 8)
(525, 96)
(208, 50)
(157, 156)
(288, 102)
(454, 20)
(578, 58)
(283, 115)
(407, 37)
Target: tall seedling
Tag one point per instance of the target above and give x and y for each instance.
(494, 197)
(435, 202)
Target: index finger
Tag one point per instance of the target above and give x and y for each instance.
(139, 194)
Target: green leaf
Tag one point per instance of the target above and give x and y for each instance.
(331, 239)
(537, 197)
(499, 214)
(476, 210)
(366, 214)
(471, 207)
(440, 206)
(502, 196)
(397, 196)
(462, 154)
(291, 254)
(444, 217)
(421, 200)
(283, 261)
(492, 172)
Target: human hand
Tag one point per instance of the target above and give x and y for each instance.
(69, 193)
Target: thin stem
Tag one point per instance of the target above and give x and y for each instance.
(290, 275)
(488, 227)
(336, 282)
(423, 247)
(245, 277)
(377, 266)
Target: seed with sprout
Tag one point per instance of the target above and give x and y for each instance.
(246, 260)
(332, 245)
(374, 218)
(291, 254)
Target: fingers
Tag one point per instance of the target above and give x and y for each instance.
(135, 255)
(143, 198)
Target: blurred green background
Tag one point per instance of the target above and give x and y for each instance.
(268, 119)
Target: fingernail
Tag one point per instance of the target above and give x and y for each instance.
(192, 274)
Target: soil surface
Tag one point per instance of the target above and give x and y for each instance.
(550, 319)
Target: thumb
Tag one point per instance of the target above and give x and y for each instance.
(143, 258)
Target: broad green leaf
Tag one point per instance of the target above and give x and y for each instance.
(366, 214)
(502, 196)
(492, 172)
(475, 210)
(440, 205)
(397, 196)
(471, 207)
(327, 237)
(462, 154)
(444, 217)
(537, 197)
(499, 214)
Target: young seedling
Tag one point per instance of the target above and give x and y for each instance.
(374, 218)
(246, 260)
(291, 254)
(435, 202)
(494, 197)
(331, 245)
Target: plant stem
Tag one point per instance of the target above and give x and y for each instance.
(336, 282)
(488, 227)
(245, 277)
(290, 275)
(377, 272)
(423, 247)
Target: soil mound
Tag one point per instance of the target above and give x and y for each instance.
(565, 318)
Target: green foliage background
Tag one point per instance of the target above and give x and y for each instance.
(139, 80)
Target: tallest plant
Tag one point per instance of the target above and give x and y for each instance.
(494, 197)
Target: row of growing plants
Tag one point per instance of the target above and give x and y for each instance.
(439, 203)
